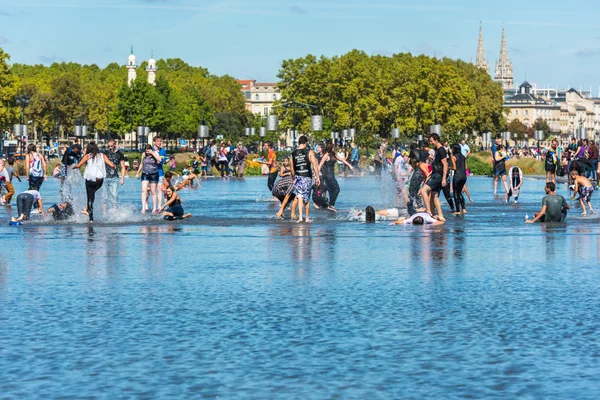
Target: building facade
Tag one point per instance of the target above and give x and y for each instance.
(260, 96)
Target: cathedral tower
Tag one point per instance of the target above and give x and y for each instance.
(480, 61)
(504, 71)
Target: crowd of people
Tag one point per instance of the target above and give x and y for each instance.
(103, 170)
(308, 176)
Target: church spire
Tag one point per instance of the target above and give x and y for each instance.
(480, 61)
(504, 71)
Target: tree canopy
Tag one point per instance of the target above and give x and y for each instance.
(374, 94)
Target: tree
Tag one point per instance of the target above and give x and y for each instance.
(518, 127)
(8, 91)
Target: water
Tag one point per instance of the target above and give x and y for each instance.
(233, 303)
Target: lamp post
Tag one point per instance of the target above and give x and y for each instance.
(22, 102)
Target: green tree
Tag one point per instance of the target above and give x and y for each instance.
(8, 91)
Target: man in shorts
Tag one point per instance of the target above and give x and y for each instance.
(554, 207)
(500, 158)
(110, 188)
(551, 161)
(303, 162)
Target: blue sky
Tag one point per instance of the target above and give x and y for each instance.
(550, 42)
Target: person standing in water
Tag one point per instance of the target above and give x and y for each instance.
(111, 185)
(460, 178)
(35, 166)
(149, 170)
(437, 179)
(585, 189)
(500, 158)
(162, 153)
(554, 207)
(551, 161)
(303, 163)
(5, 184)
(272, 164)
(327, 169)
(95, 172)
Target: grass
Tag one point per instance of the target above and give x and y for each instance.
(481, 164)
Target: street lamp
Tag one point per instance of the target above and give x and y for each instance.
(22, 102)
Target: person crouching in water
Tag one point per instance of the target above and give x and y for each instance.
(585, 189)
(61, 212)
(172, 208)
(554, 207)
(516, 181)
(25, 202)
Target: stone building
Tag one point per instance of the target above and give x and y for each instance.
(260, 96)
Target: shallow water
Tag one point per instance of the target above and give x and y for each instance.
(236, 304)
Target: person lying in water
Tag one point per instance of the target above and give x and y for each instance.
(420, 218)
(174, 210)
(61, 212)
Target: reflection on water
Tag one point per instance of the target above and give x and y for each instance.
(236, 304)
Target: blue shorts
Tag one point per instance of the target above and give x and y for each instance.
(152, 178)
(499, 172)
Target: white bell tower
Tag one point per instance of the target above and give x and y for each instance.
(151, 70)
(131, 68)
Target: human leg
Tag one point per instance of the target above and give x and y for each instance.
(446, 191)
(24, 204)
(333, 188)
(144, 195)
(459, 200)
(153, 191)
(438, 206)
(91, 187)
(271, 180)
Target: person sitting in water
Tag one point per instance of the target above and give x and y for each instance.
(174, 210)
(420, 218)
(188, 180)
(25, 202)
(585, 189)
(554, 207)
(61, 212)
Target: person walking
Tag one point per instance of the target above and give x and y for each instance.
(95, 172)
(303, 163)
(112, 182)
(241, 152)
(459, 181)
(327, 170)
(272, 164)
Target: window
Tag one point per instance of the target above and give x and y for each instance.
(517, 113)
(266, 111)
(526, 112)
(274, 97)
(256, 97)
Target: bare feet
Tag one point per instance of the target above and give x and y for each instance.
(85, 212)
(279, 216)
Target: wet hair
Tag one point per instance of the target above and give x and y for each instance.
(92, 149)
(370, 214)
(414, 162)
(456, 149)
(11, 161)
(31, 148)
(303, 139)
(435, 137)
(550, 186)
(168, 175)
(329, 149)
(418, 220)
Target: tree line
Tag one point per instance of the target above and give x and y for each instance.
(374, 94)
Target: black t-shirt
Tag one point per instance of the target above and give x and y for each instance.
(70, 158)
(115, 157)
(440, 154)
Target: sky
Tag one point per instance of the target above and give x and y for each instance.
(551, 43)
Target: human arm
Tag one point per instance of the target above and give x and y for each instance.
(423, 167)
(43, 161)
(292, 167)
(156, 155)
(345, 162)
(139, 169)
(107, 161)
(520, 179)
(399, 221)
(81, 162)
(538, 216)
(453, 158)
(169, 202)
(27, 160)
(283, 172)
(445, 171)
(41, 206)
(313, 161)
(123, 172)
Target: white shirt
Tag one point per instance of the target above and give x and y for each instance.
(464, 149)
(36, 195)
(427, 219)
(95, 168)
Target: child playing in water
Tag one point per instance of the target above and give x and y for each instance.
(25, 202)
(175, 210)
(61, 212)
(585, 189)
(203, 166)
